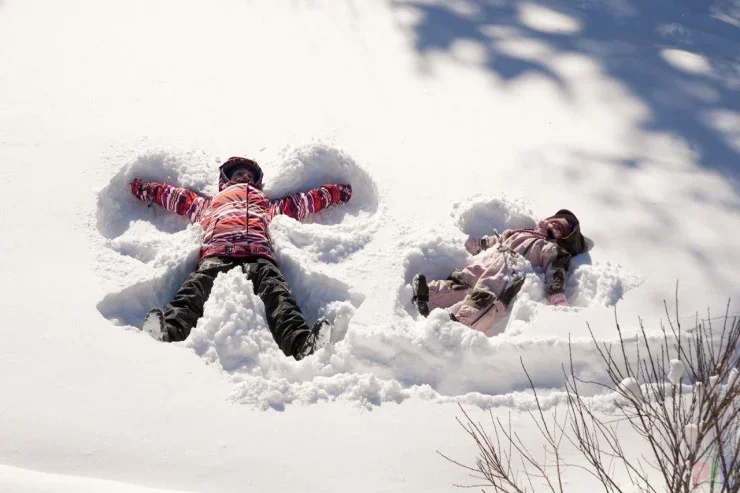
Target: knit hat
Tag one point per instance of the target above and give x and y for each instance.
(238, 162)
(574, 243)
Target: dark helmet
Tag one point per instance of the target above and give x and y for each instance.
(233, 163)
(575, 243)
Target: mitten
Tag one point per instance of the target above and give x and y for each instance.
(136, 187)
(558, 299)
(345, 193)
(473, 245)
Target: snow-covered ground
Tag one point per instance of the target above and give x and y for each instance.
(449, 119)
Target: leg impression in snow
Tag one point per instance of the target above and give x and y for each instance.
(479, 294)
(235, 223)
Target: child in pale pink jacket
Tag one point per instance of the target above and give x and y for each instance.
(478, 295)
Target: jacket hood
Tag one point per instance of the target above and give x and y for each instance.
(233, 162)
(575, 243)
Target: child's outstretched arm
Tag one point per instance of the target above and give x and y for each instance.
(555, 276)
(476, 245)
(299, 205)
(180, 200)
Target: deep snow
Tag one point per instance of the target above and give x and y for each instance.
(449, 119)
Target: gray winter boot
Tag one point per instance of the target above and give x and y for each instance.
(511, 290)
(154, 325)
(318, 338)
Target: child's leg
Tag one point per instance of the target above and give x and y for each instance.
(481, 308)
(284, 317)
(444, 294)
(183, 312)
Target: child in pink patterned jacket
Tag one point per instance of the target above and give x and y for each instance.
(235, 222)
(478, 295)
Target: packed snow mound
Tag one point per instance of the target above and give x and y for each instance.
(401, 356)
(481, 215)
(311, 166)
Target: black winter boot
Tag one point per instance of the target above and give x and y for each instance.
(318, 338)
(421, 294)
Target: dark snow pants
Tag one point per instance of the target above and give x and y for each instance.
(284, 317)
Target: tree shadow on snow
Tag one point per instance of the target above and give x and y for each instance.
(627, 39)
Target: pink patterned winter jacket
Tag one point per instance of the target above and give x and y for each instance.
(236, 219)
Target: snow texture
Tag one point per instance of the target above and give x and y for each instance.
(676, 372)
(731, 377)
(630, 389)
(691, 434)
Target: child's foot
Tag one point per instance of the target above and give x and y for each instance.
(510, 292)
(318, 338)
(154, 325)
(421, 294)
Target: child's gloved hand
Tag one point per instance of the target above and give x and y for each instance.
(345, 193)
(473, 245)
(136, 187)
(558, 299)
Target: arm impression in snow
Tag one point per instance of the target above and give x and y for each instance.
(299, 205)
(180, 200)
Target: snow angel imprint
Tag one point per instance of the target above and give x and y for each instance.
(235, 222)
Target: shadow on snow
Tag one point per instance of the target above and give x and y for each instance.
(627, 39)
